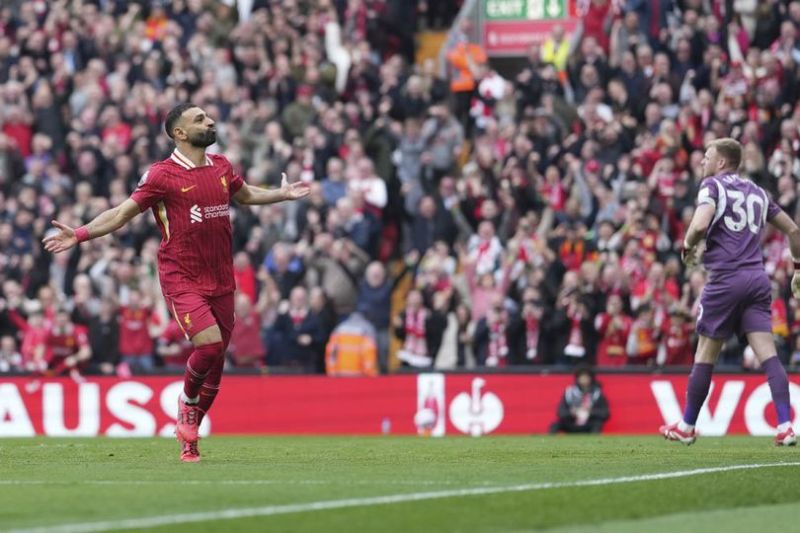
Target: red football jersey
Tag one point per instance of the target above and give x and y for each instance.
(65, 343)
(191, 207)
(134, 334)
(33, 338)
(174, 334)
(611, 350)
(678, 342)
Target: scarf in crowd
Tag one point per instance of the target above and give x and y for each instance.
(575, 347)
(555, 194)
(486, 254)
(297, 317)
(415, 332)
(531, 337)
(498, 344)
(483, 248)
(572, 254)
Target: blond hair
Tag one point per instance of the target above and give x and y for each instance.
(728, 149)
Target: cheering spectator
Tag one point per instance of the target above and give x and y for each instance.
(614, 328)
(374, 294)
(495, 336)
(430, 224)
(643, 340)
(246, 349)
(444, 136)
(483, 286)
(336, 266)
(676, 339)
(173, 347)
(10, 358)
(34, 335)
(333, 185)
(298, 115)
(66, 347)
(283, 268)
(245, 276)
(297, 332)
(138, 326)
(104, 340)
(323, 309)
(530, 342)
(420, 329)
(85, 306)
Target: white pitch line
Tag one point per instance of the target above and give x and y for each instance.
(325, 505)
(411, 483)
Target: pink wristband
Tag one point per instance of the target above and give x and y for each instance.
(82, 234)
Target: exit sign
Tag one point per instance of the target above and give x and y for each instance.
(525, 9)
(510, 27)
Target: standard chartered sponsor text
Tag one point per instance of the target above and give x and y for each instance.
(215, 211)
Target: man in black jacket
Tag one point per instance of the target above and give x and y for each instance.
(104, 340)
(583, 408)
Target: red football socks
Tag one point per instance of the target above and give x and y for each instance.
(210, 387)
(200, 363)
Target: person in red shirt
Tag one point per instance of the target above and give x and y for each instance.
(644, 337)
(34, 334)
(614, 327)
(656, 289)
(247, 348)
(173, 347)
(136, 324)
(245, 276)
(18, 128)
(66, 346)
(676, 332)
(597, 21)
(189, 193)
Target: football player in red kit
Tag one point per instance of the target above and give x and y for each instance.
(189, 194)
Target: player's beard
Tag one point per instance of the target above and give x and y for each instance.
(203, 139)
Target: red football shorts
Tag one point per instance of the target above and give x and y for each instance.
(195, 312)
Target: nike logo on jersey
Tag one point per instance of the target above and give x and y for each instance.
(187, 189)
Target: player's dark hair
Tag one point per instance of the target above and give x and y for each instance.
(730, 150)
(173, 116)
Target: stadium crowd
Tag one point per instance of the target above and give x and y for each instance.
(457, 217)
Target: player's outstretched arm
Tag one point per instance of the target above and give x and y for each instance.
(106, 222)
(250, 195)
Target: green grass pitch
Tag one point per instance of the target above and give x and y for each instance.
(521, 484)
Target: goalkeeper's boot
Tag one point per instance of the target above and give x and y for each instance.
(673, 432)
